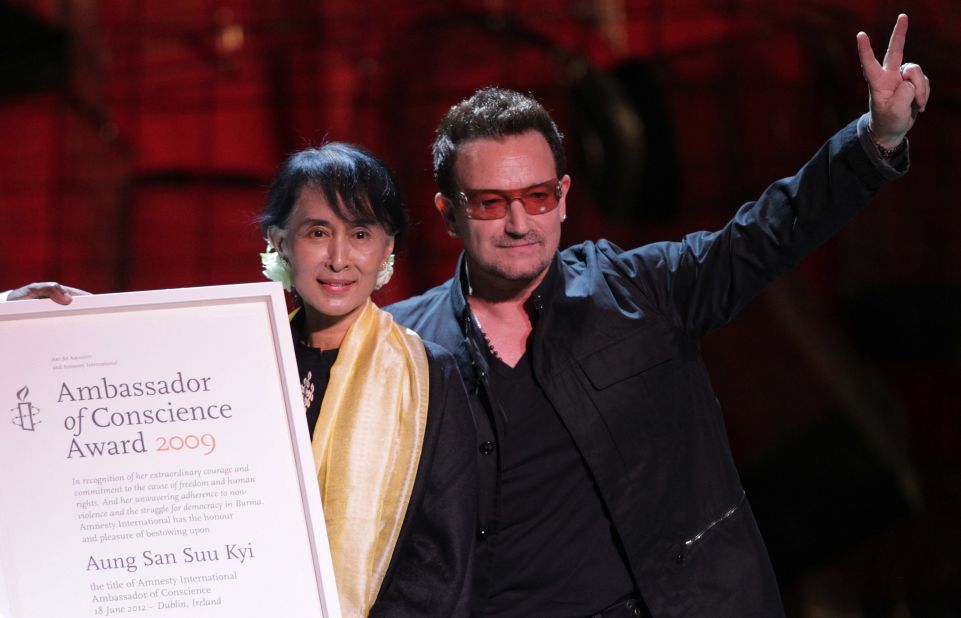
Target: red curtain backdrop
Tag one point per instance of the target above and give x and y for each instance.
(142, 158)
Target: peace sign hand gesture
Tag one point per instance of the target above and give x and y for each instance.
(897, 92)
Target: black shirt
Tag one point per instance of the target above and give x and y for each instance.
(314, 367)
(555, 552)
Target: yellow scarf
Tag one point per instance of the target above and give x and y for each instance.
(367, 445)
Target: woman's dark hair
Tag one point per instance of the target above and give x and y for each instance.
(355, 182)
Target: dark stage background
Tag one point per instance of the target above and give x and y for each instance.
(137, 138)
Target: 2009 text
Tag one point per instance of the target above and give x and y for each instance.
(189, 442)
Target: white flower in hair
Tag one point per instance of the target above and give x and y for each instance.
(276, 267)
(385, 273)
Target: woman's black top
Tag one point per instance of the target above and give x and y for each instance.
(429, 571)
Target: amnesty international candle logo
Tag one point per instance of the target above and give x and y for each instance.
(26, 412)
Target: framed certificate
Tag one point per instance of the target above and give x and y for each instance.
(155, 459)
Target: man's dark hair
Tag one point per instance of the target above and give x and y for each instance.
(491, 113)
(357, 185)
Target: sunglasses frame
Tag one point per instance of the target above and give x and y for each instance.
(509, 197)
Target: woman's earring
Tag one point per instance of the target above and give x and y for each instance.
(385, 273)
(276, 267)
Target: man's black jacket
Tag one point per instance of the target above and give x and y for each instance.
(615, 349)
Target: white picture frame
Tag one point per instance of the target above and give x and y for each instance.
(155, 459)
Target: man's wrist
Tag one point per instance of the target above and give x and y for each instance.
(888, 153)
(888, 148)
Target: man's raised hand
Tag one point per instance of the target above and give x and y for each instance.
(897, 90)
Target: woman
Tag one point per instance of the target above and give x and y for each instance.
(388, 413)
(391, 429)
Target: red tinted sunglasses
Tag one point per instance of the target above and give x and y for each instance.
(490, 204)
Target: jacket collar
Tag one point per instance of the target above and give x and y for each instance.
(458, 299)
(473, 357)
(547, 288)
(470, 357)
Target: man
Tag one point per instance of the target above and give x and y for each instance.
(608, 487)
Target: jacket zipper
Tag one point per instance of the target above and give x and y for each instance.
(691, 542)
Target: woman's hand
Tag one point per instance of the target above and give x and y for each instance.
(56, 292)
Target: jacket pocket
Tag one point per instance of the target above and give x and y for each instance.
(622, 383)
(626, 358)
(692, 543)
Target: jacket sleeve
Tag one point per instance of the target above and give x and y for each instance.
(705, 279)
(430, 571)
